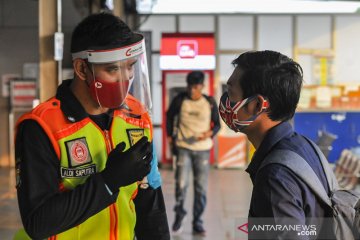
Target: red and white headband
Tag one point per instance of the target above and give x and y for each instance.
(111, 55)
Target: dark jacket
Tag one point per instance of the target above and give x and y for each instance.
(278, 193)
(174, 110)
(38, 184)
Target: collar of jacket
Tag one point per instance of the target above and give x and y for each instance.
(273, 136)
(70, 106)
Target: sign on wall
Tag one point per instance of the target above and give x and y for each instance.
(22, 93)
(323, 69)
(187, 51)
(5, 83)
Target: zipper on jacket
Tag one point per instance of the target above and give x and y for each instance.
(112, 207)
(108, 141)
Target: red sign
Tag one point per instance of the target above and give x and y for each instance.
(186, 51)
(201, 43)
(22, 93)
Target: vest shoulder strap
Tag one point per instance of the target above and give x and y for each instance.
(49, 116)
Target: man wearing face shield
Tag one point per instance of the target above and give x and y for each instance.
(85, 161)
(263, 93)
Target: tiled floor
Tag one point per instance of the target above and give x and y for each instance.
(9, 214)
(228, 200)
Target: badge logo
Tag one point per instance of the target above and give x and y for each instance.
(98, 85)
(78, 152)
(135, 135)
(133, 51)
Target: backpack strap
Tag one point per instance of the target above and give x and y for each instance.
(301, 168)
(330, 176)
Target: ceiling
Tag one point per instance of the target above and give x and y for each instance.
(246, 7)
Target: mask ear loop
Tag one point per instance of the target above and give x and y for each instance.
(90, 69)
(265, 105)
(237, 107)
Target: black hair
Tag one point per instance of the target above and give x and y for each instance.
(100, 31)
(195, 77)
(274, 76)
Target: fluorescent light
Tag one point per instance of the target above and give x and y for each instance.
(247, 7)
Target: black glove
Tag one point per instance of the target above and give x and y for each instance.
(126, 167)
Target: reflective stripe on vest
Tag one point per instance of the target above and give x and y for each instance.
(82, 148)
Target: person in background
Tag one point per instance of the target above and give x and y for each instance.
(263, 93)
(81, 156)
(196, 120)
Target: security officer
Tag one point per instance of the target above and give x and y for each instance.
(82, 157)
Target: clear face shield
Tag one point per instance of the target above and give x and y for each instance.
(120, 77)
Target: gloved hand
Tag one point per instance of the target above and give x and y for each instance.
(126, 167)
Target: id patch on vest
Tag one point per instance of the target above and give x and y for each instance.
(78, 152)
(135, 135)
(78, 172)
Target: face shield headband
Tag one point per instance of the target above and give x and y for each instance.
(132, 78)
(228, 111)
(111, 55)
